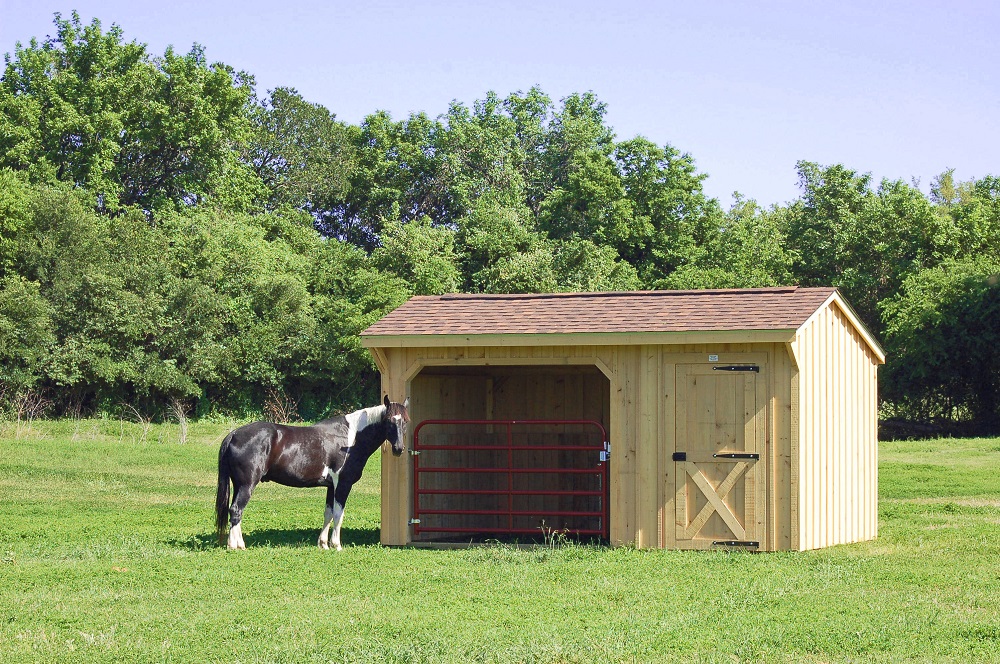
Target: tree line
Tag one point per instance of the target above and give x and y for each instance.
(171, 234)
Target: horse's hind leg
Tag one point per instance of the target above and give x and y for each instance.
(240, 501)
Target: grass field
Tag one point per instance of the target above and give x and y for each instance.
(106, 554)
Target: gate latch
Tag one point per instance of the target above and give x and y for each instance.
(414, 521)
(606, 453)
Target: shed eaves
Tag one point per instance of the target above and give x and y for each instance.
(622, 312)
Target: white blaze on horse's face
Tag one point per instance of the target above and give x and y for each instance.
(399, 444)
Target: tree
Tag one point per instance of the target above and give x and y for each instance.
(749, 251)
(25, 332)
(301, 153)
(90, 109)
(943, 343)
(501, 253)
(421, 254)
(866, 242)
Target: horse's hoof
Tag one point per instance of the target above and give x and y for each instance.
(323, 546)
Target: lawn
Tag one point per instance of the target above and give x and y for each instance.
(107, 554)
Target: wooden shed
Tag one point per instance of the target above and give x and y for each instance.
(733, 418)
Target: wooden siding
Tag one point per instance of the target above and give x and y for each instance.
(816, 413)
(837, 483)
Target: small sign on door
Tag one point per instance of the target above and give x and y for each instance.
(713, 358)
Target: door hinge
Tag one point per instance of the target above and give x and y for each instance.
(737, 367)
(736, 543)
(737, 455)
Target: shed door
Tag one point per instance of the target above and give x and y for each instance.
(719, 471)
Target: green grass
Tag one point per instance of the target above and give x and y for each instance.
(106, 554)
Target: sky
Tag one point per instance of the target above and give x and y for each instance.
(901, 90)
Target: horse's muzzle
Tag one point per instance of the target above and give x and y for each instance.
(396, 452)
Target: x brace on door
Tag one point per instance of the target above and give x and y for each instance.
(716, 499)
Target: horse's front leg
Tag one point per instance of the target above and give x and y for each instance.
(336, 512)
(328, 517)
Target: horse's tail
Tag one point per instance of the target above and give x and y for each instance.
(222, 493)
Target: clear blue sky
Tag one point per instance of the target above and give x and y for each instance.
(898, 89)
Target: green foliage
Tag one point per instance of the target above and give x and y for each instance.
(866, 242)
(748, 251)
(168, 233)
(15, 211)
(943, 340)
(92, 110)
(25, 332)
(421, 254)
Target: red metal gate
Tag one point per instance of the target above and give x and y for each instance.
(493, 477)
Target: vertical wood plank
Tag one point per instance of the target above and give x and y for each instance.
(647, 449)
(668, 436)
(794, 456)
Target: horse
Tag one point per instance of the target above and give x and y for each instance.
(330, 453)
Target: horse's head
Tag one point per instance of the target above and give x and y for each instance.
(398, 417)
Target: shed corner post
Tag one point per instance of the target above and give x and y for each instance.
(396, 479)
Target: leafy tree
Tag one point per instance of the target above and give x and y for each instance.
(581, 265)
(301, 153)
(672, 219)
(421, 254)
(25, 332)
(749, 251)
(976, 216)
(501, 253)
(90, 109)
(15, 213)
(943, 343)
(866, 242)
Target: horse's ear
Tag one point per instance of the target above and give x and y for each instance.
(386, 401)
(406, 403)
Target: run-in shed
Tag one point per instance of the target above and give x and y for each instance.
(735, 417)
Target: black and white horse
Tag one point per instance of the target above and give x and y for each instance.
(331, 453)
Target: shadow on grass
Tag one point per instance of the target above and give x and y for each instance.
(286, 538)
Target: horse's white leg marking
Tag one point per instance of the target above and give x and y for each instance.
(328, 513)
(338, 517)
(323, 534)
(236, 537)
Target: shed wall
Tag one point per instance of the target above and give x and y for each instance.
(837, 431)
(642, 428)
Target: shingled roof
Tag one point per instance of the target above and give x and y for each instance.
(623, 312)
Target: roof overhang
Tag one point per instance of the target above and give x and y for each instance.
(579, 339)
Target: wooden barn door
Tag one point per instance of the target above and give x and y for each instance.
(719, 458)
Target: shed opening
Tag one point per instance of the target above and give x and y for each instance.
(509, 451)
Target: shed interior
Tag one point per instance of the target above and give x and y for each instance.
(504, 485)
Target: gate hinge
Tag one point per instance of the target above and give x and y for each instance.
(736, 543)
(606, 454)
(737, 367)
(414, 521)
(414, 452)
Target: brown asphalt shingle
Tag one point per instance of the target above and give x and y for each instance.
(640, 311)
